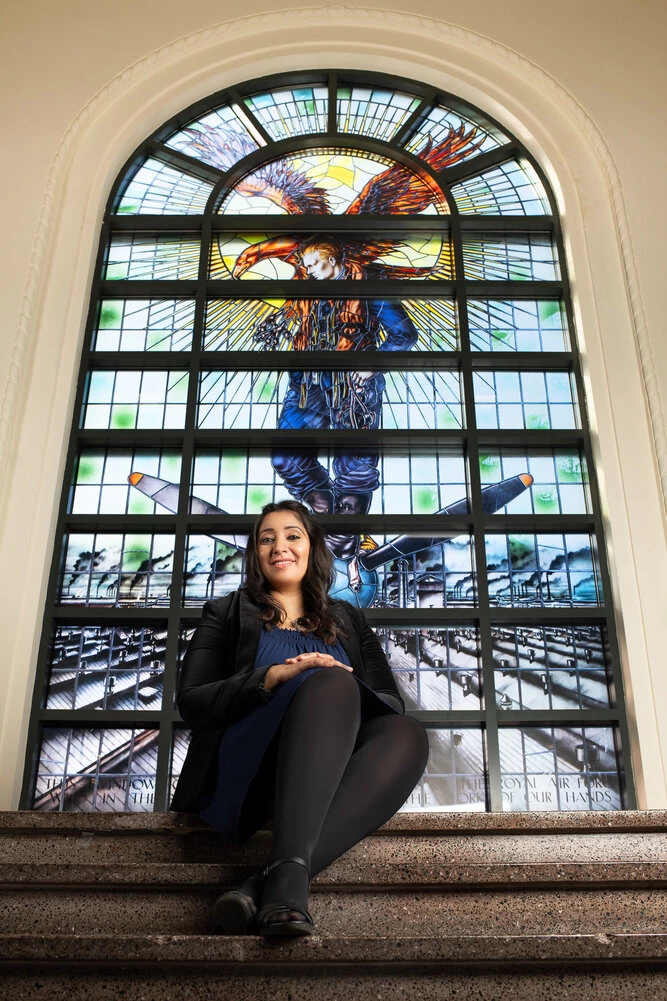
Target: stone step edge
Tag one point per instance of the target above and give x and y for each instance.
(342, 874)
(639, 821)
(189, 950)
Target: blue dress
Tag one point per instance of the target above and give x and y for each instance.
(244, 744)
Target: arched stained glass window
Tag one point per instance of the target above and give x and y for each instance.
(444, 445)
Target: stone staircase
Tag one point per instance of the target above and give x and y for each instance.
(488, 906)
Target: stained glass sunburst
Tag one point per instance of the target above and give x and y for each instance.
(334, 182)
(158, 189)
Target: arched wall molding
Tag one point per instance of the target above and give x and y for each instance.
(130, 106)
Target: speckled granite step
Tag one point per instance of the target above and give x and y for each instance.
(194, 968)
(527, 906)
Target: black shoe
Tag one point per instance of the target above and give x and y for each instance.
(236, 912)
(278, 920)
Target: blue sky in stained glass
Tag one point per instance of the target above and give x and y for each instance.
(101, 484)
(158, 189)
(292, 111)
(533, 400)
(135, 399)
(517, 325)
(509, 189)
(219, 138)
(144, 325)
(441, 122)
(241, 481)
(530, 257)
(559, 479)
(139, 257)
(378, 114)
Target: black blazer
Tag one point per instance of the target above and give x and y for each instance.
(219, 683)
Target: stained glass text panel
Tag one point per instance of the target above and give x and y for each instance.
(96, 770)
(455, 776)
(564, 768)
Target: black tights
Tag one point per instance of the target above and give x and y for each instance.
(332, 778)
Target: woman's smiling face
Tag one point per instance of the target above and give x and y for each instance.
(283, 548)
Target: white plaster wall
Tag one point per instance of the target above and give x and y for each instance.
(581, 83)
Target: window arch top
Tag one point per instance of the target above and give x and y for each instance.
(429, 143)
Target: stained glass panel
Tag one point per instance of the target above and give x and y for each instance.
(517, 325)
(144, 325)
(106, 667)
(466, 137)
(283, 325)
(568, 768)
(509, 189)
(542, 570)
(323, 400)
(516, 258)
(455, 776)
(435, 669)
(559, 481)
(241, 481)
(107, 771)
(261, 257)
(116, 570)
(135, 399)
(105, 480)
(403, 571)
(334, 181)
(179, 748)
(144, 257)
(158, 189)
(532, 400)
(551, 667)
(293, 111)
(368, 111)
(220, 138)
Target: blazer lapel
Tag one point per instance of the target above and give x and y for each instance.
(250, 630)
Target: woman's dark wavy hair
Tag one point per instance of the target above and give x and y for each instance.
(317, 617)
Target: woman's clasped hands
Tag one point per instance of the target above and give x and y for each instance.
(277, 674)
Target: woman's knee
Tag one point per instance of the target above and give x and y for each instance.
(412, 738)
(333, 687)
